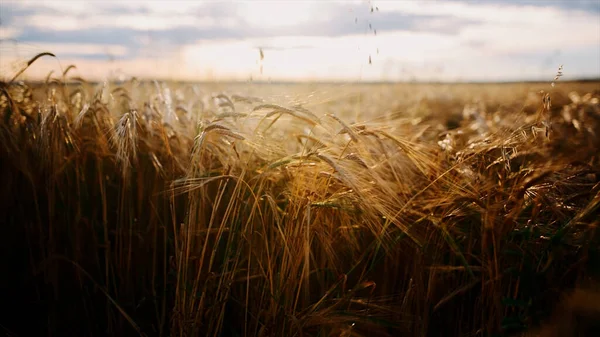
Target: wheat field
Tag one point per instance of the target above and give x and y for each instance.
(146, 208)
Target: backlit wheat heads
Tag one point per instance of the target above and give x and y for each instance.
(171, 209)
(206, 148)
(125, 139)
(545, 111)
(57, 141)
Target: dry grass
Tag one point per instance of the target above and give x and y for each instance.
(159, 210)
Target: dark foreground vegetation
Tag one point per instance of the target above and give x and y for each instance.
(387, 210)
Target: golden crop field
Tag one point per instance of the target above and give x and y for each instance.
(204, 209)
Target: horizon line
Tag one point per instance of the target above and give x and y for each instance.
(297, 82)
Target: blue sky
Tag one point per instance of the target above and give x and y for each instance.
(306, 40)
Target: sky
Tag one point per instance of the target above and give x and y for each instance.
(304, 40)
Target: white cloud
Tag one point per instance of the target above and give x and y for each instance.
(82, 49)
(495, 13)
(281, 14)
(145, 23)
(74, 7)
(9, 32)
(66, 7)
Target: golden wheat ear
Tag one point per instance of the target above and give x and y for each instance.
(29, 63)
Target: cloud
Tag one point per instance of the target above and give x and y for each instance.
(314, 39)
(221, 20)
(584, 5)
(70, 7)
(84, 50)
(84, 35)
(7, 33)
(148, 22)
